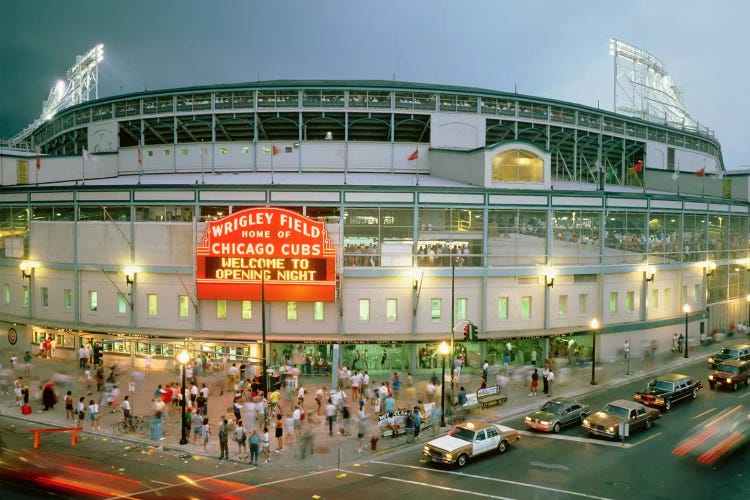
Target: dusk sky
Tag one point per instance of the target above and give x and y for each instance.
(556, 49)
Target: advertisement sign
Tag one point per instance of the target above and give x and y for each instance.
(266, 250)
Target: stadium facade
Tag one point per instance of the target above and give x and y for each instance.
(405, 211)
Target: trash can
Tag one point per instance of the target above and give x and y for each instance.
(374, 443)
(156, 429)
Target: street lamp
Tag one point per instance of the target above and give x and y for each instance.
(594, 327)
(686, 310)
(444, 349)
(183, 357)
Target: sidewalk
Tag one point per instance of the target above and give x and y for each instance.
(573, 382)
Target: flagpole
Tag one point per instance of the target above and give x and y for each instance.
(272, 155)
(83, 167)
(417, 165)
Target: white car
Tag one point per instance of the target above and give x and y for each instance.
(468, 440)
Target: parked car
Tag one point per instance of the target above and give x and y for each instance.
(736, 351)
(468, 440)
(730, 374)
(606, 422)
(666, 389)
(557, 413)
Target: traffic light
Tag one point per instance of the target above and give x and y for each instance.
(473, 329)
(467, 334)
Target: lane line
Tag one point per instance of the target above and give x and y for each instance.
(438, 487)
(744, 395)
(723, 416)
(702, 414)
(576, 439)
(646, 439)
(493, 479)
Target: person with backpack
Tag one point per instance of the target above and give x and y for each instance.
(224, 439)
(240, 435)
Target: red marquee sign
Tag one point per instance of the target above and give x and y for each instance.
(288, 255)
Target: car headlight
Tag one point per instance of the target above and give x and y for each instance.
(449, 456)
(610, 429)
(710, 377)
(586, 421)
(729, 381)
(528, 419)
(710, 360)
(544, 423)
(426, 449)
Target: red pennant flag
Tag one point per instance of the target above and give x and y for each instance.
(275, 150)
(38, 162)
(140, 158)
(701, 172)
(639, 166)
(414, 155)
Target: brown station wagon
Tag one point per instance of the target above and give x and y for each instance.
(606, 421)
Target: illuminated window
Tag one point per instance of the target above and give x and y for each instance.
(364, 309)
(167, 153)
(6, 293)
(318, 308)
(247, 309)
(526, 307)
(583, 303)
(613, 297)
(45, 296)
(391, 309)
(152, 301)
(221, 309)
(562, 306)
(291, 311)
(223, 151)
(245, 150)
(517, 165)
(435, 307)
(461, 306)
(150, 153)
(183, 306)
(184, 151)
(122, 304)
(25, 295)
(655, 299)
(68, 298)
(630, 302)
(683, 299)
(93, 301)
(667, 297)
(502, 308)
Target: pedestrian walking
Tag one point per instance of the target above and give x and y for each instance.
(94, 415)
(626, 349)
(240, 436)
(680, 342)
(550, 381)
(81, 411)
(534, 382)
(279, 432)
(69, 413)
(205, 432)
(265, 445)
(224, 440)
(361, 428)
(545, 381)
(254, 445)
(197, 422)
(330, 415)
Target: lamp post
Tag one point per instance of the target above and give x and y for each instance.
(444, 349)
(183, 357)
(594, 327)
(686, 310)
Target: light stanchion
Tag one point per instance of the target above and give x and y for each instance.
(183, 357)
(444, 349)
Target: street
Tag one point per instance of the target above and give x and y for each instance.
(568, 465)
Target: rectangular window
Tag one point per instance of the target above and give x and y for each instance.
(697, 293)
(613, 299)
(221, 309)
(245, 150)
(68, 298)
(25, 295)
(526, 307)
(364, 309)
(630, 302)
(667, 298)
(45, 296)
(247, 309)
(223, 151)
(122, 303)
(655, 298)
(502, 308)
(152, 300)
(562, 306)
(93, 301)
(167, 153)
(684, 297)
(583, 303)
(391, 309)
(6, 293)
(461, 309)
(183, 306)
(184, 151)
(318, 308)
(291, 311)
(435, 307)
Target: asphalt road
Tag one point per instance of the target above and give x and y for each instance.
(568, 465)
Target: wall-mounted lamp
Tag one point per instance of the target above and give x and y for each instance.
(549, 273)
(650, 273)
(710, 268)
(26, 268)
(550, 281)
(130, 275)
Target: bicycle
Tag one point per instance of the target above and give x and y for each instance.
(132, 425)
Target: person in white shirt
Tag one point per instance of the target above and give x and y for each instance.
(550, 380)
(356, 380)
(297, 418)
(366, 385)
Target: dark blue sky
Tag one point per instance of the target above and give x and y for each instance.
(554, 48)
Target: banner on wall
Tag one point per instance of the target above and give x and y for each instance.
(284, 254)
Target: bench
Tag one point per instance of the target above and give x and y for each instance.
(389, 432)
(38, 432)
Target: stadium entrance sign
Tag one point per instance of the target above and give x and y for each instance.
(287, 255)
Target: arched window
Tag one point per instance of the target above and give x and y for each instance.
(517, 165)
